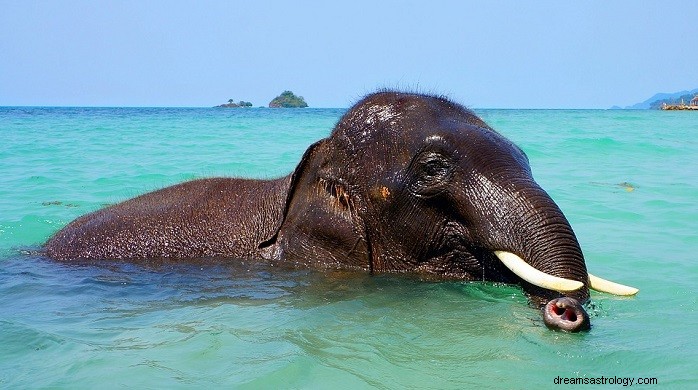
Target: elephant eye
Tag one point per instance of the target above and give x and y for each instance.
(435, 167)
(433, 174)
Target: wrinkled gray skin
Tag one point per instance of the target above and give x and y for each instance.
(405, 183)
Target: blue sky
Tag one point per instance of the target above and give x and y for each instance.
(485, 54)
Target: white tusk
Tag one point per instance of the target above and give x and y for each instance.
(604, 285)
(523, 270)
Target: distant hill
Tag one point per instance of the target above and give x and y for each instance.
(655, 102)
(288, 99)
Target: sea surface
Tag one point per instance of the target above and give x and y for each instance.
(626, 180)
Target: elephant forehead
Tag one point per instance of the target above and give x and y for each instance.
(386, 114)
(371, 124)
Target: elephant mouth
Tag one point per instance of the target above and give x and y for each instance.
(460, 260)
(550, 282)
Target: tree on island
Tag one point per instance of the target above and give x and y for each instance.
(288, 99)
(231, 104)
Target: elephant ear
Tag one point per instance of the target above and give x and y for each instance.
(320, 223)
(302, 166)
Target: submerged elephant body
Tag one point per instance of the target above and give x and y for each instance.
(404, 183)
(218, 217)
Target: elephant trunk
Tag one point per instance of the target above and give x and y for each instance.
(554, 250)
(533, 229)
(551, 246)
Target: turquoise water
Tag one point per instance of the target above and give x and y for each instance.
(627, 181)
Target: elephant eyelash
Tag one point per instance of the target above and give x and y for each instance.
(340, 196)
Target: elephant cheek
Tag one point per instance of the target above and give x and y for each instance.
(380, 193)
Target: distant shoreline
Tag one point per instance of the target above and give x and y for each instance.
(678, 107)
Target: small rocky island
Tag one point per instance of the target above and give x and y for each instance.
(231, 104)
(288, 99)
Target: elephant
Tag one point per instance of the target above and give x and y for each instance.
(405, 183)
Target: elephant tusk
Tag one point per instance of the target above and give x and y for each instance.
(603, 285)
(526, 272)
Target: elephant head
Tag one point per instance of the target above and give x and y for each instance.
(416, 183)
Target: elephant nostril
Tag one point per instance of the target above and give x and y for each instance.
(558, 310)
(564, 313)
